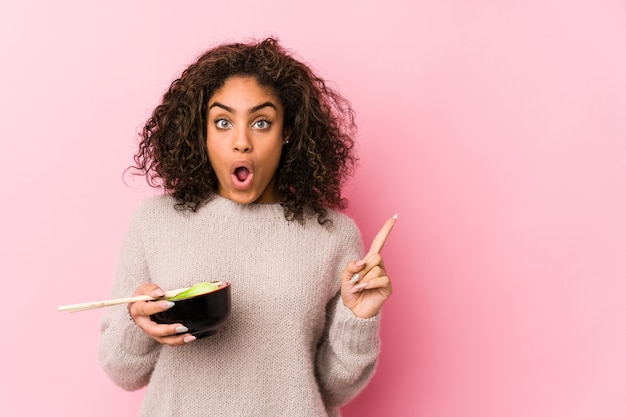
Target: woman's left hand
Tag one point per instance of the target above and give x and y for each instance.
(364, 284)
(366, 294)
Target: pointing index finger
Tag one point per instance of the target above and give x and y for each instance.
(378, 242)
(383, 234)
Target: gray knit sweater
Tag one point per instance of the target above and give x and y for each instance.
(290, 347)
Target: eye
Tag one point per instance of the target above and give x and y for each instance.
(262, 124)
(222, 124)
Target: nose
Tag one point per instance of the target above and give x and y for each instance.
(242, 141)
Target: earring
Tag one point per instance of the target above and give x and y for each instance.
(286, 142)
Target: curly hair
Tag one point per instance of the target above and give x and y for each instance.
(313, 166)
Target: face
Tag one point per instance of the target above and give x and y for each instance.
(245, 140)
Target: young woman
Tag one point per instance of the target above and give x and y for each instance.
(251, 149)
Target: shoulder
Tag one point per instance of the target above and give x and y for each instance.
(156, 205)
(155, 209)
(341, 223)
(343, 229)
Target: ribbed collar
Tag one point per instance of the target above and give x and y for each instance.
(229, 208)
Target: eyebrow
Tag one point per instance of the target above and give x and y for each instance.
(252, 110)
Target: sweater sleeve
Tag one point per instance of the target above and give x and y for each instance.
(126, 353)
(348, 353)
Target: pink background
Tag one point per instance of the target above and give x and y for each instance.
(497, 129)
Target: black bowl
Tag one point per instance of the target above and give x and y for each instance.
(202, 314)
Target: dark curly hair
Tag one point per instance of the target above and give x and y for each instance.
(314, 165)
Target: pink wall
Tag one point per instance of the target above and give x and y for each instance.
(497, 131)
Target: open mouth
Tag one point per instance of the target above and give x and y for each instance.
(242, 177)
(242, 173)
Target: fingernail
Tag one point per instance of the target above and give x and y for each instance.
(166, 304)
(189, 339)
(355, 278)
(181, 329)
(359, 263)
(157, 293)
(395, 216)
(359, 288)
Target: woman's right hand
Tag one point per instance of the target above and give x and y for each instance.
(168, 334)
